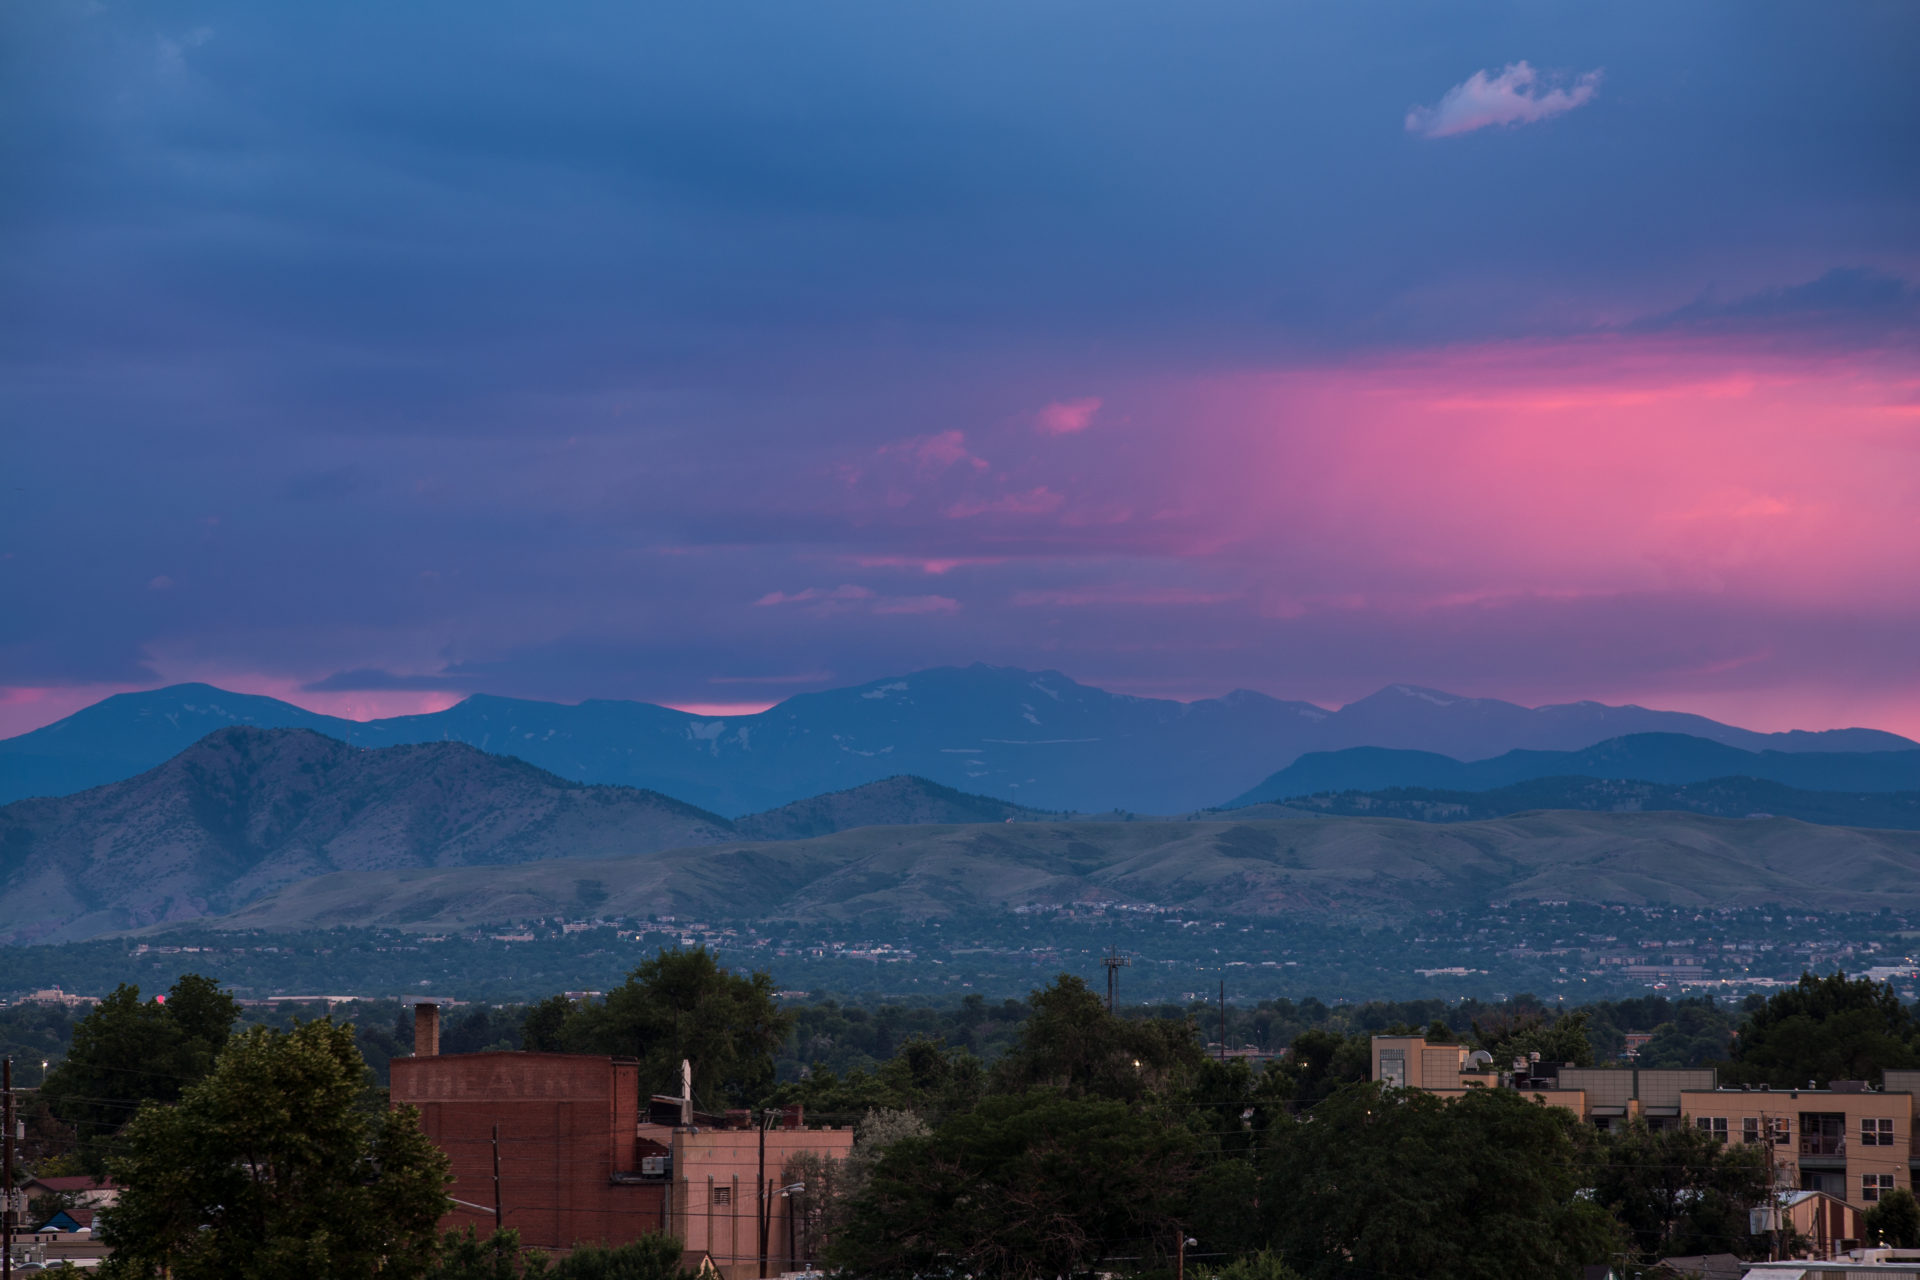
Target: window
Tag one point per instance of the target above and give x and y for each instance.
(1823, 1133)
(1872, 1185)
(1750, 1129)
(722, 1196)
(1876, 1133)
(1715, 1125)
(1781, 1137)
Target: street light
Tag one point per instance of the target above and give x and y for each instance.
(787, 1193)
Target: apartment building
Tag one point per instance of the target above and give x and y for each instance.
(1848, 1139)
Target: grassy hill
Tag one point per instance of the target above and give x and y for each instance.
(245, 811)
(1270, 866)
(901, 801)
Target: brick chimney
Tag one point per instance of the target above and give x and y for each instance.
(426, 1030)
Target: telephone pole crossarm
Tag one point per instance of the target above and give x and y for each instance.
(1114, 963)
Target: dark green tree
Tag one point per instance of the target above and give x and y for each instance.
(467, 1255)
(1232, 1112)
(682, 1004)
(278, 1163)
(1386, 1182)
(651, 1257)
(1895, 1220)
(1697, 1036)
(1253, 1266)
(923, 1076)
(1321, 1061)
(1031, 1186)
(1680, 1190)
(1824, 1028)
(129, 1051)
(1561, 1038)
(544, 1029)
(1071, 1043)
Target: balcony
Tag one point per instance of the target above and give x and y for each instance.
(1823, 1138)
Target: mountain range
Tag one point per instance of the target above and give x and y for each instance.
(290, 827)
(246, 811)
(1650, 757)
(1037, 739)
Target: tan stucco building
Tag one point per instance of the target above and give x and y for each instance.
(1850, 1140)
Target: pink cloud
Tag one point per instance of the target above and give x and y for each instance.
(916, 604)
(1152, 597)
(847, 596)
(935, 452)
(933, 566)
(1510, 98)
(843, 593)
(1591, 466)
(1064, 417)
(1036, 501)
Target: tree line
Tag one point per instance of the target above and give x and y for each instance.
(1048, 1137)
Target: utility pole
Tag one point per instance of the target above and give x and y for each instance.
(1114, 962)
(496, 1178)
(1773, 1192)
(766, 1209)
(6, 1219)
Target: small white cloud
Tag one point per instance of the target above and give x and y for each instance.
(161, 583)
(172, 54)
(1512, 97)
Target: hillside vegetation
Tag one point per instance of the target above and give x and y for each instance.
(1350, 867)
(1719, 797)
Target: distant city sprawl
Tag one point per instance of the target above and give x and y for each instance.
(1562, 951)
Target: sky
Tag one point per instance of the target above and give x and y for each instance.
(374, 355)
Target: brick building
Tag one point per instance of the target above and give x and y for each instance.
(579, 1161)
(568, 1150)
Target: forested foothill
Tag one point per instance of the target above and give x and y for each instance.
(1108, 1139)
